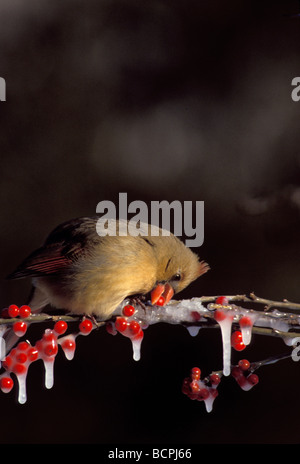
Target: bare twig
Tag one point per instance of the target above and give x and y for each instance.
(252, 298)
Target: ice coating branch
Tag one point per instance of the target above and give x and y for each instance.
(199, 313)
(131, 321)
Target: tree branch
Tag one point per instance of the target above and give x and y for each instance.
(196, 313)
(199, 313)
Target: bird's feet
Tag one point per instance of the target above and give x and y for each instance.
(137, 300)
(93, 319)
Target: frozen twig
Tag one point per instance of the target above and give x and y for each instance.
(237, 317)
(200, 312)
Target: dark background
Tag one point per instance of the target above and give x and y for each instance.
(163, 100)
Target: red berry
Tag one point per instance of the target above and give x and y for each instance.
(134, 327)
(19, 369)
(7, 362)
(253, 379)
(121, 324)
(194, 386)
(25, 311)
(13, 352)
(23, 346)
(49, 336)
(213, 392)
(195, 315)
(245, 321)
(33, 354)
(21, 358)
(214, 379)
(6, 384)
(128, 310)
(222, 300)
(13, 310)
(60, 327)
(50, 349)
(195, 373)
(203, 394)
(244, 364)
(39, 346)
(139, 335)
(20, 328)
(69, 344)
(241, 380)
(186, 386)
(219, 315)
(237, 341)
(85, 326)
(236, 372)
(160, 301)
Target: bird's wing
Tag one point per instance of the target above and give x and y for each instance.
(65, 244)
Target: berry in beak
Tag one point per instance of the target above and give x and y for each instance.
(162, 292)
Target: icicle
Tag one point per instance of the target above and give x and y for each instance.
(2, 343)
(246, 329)
(246, 386)
(18, 360)
(193, 330)
(68, 345)
(224, 319)
(22, 395)
(136, 347)
(246, 334)
(49, 377)
(131, 329)
(289, 341)
(210, 400)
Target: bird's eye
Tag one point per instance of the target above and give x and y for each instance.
(176, 277)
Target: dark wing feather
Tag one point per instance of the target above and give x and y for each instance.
(65, 244)
(44, 261)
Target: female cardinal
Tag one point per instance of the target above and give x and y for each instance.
(84, 273)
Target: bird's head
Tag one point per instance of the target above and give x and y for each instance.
(177, 267)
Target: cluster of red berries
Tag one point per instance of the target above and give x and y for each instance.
(125, 326)
(17, 362)
(205, 390)
(242, 374)
(19, 358)
(200, 390)
(14, 311)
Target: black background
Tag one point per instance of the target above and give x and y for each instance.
(163, 100)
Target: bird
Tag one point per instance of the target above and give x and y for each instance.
(83, 273)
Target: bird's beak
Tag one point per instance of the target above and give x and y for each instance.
(164, 290)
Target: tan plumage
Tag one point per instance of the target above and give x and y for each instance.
(83, 273)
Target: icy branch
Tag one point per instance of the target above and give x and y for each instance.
(237, 317)
(199, 313)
